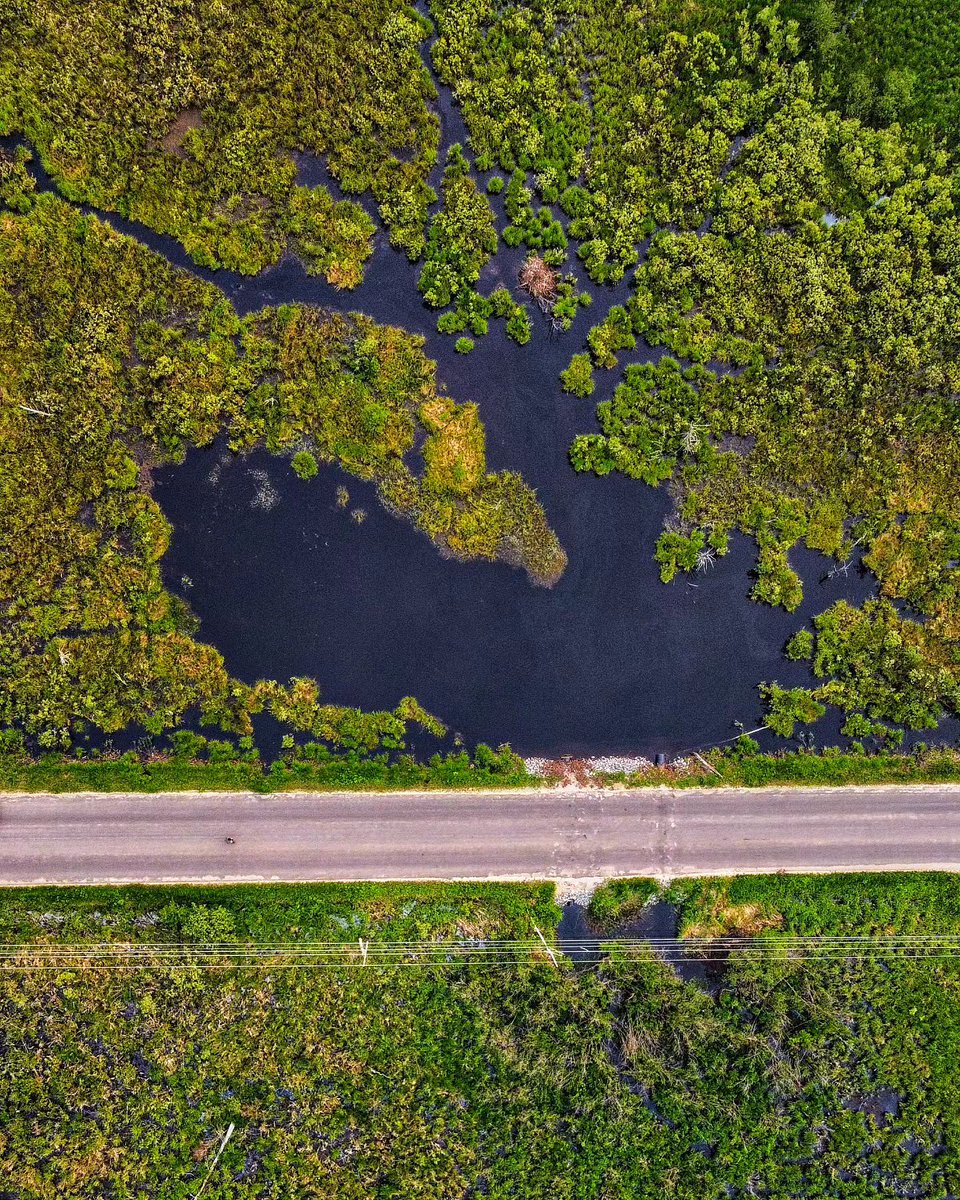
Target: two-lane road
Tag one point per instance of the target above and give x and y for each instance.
(553, 834)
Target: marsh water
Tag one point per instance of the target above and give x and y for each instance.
(581, 941)
(608, 661)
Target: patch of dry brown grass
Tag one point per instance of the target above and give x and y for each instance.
(172, 140)
(539, 280)
(455, 450)
(745, 919)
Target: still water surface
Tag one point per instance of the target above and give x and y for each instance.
(607, 661)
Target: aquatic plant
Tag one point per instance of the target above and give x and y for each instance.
(578, 377)
(461, 238)
(304, 464)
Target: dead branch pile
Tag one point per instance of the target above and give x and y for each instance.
(539, 280)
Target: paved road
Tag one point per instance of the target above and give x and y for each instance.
(549, 834)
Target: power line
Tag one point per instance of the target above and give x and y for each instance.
(688, 943)
(467, 946)
(365, 954)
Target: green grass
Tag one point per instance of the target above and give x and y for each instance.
(327, 912)
(459, 771)
(619, 899)
(328, 772)
(888, 902)
(865, 902)
(528, 1080)
(831, 767)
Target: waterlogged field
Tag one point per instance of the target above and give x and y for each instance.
(792, 1077)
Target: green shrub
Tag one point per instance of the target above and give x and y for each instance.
(578, 377)
(800, 646)
(519, 327)
(304, 464)
(786, 706)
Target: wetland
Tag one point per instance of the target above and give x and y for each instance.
(616, 425)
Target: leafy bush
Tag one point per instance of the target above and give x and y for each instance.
(304, 464)
(787, 706)
(578, 377)
(461, 238)
(519, 327)
(800, 646)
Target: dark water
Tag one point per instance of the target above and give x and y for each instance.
(608, 661)
(656, 921)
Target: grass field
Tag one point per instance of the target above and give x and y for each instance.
(798, 1078)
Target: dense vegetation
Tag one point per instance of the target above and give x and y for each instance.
(778, 183)
(837, 425)
(191, 762)
(187, 761)
(112, 361)
(803, 276)
(812, 1078)
(462, 238)
(889, 60)
(185, 117)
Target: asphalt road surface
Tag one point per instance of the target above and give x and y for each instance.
(555, 834)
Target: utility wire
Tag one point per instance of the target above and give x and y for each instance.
(466, 947)
(773, 938)
(496, 952)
